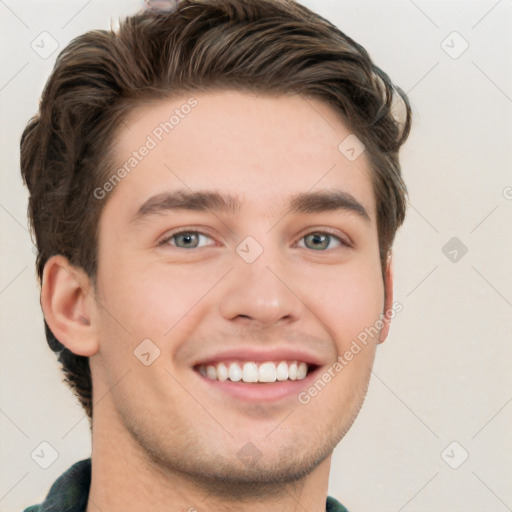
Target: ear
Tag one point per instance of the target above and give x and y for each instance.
(68, 304)
(388, 283)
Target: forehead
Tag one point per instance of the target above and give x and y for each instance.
(260, 149)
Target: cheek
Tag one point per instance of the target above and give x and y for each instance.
(347, 300)
(156, 303)
(351, 308)
(153, 300)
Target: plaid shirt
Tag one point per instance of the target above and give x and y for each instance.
(70, 492)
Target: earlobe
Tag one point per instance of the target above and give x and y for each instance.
(68, 306)
(388, 304)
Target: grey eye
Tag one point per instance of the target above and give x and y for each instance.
(186, 239)
(319, 241)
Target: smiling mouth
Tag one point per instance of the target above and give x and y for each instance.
(255, 371)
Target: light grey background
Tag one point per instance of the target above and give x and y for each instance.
(442, 376)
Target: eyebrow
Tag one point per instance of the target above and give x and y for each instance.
(304, 202)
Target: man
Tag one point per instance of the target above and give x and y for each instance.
(214, 192)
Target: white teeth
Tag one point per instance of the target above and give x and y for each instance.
(211, 372)
(267, 372)
(292, 371)
(282, 371)
(222, 372)
(235, 372)
(256, 372)
(302, 370)
(250, 372)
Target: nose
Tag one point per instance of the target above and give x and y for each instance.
(261, 292)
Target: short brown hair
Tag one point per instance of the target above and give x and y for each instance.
(265, 46)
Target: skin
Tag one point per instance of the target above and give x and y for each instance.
(161, 434)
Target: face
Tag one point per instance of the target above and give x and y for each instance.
(220, 255)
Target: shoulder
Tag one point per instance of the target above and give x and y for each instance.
(69, 492)
(334, 506)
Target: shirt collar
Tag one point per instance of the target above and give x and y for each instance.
(70, 491)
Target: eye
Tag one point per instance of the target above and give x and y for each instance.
(316, 240)
(320, 240)
(185, 239)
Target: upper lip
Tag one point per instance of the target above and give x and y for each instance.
(260, 355)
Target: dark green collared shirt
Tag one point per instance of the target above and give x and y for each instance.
(70, 492)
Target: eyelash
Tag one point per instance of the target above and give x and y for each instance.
(165, 241)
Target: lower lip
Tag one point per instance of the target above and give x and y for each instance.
(261, 391)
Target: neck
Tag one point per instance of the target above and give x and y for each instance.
(125, 478)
